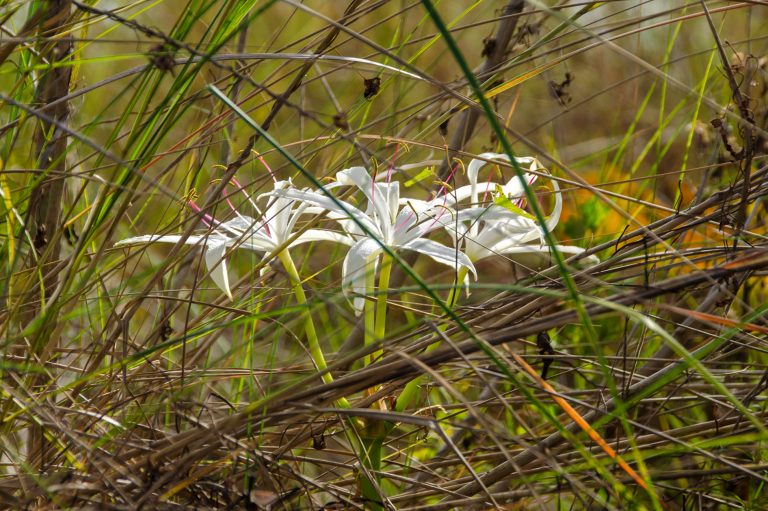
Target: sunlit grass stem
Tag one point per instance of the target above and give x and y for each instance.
(381, 300)
(411, 390)
(369, 309)
(375, 330)
(315, 351)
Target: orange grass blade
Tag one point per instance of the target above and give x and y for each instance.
(717, 320)
(584, 425)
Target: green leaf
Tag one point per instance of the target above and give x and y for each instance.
(500, 199)
(421, 176)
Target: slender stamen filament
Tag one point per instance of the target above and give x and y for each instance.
(443, 190)
(207, 219)
(487, 188)
(266, 166)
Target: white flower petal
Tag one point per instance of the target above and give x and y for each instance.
(353, 272)
(382, 198)
(311, 235)
(514, 188)
(554, 217)
(411, 212)
(440, 253)
(418, 218)
(474, 168)
(328, 204)
(239, 225)
(459, 194)
(359, 177)
(170, 238)
(217, 266)
(497, 217)
(296, 213)
(256, 243)
(392, 191)
(278, 214)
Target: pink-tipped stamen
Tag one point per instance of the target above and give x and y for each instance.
(487, 188)
(266, 166)
(229, 202)
(207, 219)
(521, 201)
(241, 188)
(443, 190)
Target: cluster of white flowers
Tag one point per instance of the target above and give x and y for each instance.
(479, 227)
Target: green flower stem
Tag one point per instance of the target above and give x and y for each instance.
(375, 329)
(309, 326)
(411, 390)
(381, 300)
(369, 309)
(315, 351)
(453, 296)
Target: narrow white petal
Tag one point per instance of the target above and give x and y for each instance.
(480, 246)
(278, 214)
(512, 228)
(350, 227)
(554, 217)
(217, 266)
(551, 221)
(247, 234)
(449, 198)
(382, 198)
(474, 168)
(311, 235)
(416, 212)
(359, 177)
(440, 253)
(326, 203)
(256, 243)
(497, 215)
(392, 191)
(353, 271)
(170, 238)
(514, 188)
(239, 225)
(297, 211)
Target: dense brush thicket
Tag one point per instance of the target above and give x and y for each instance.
(383, 255)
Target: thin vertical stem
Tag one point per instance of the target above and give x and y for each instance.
(45, 206)
(375, 330)
(409, 393)
(315, 351)
(370, 307)
(381, 300)
(453, 296)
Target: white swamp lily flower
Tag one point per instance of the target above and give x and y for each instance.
(386, 221)
(503, 228)
(268, 235)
